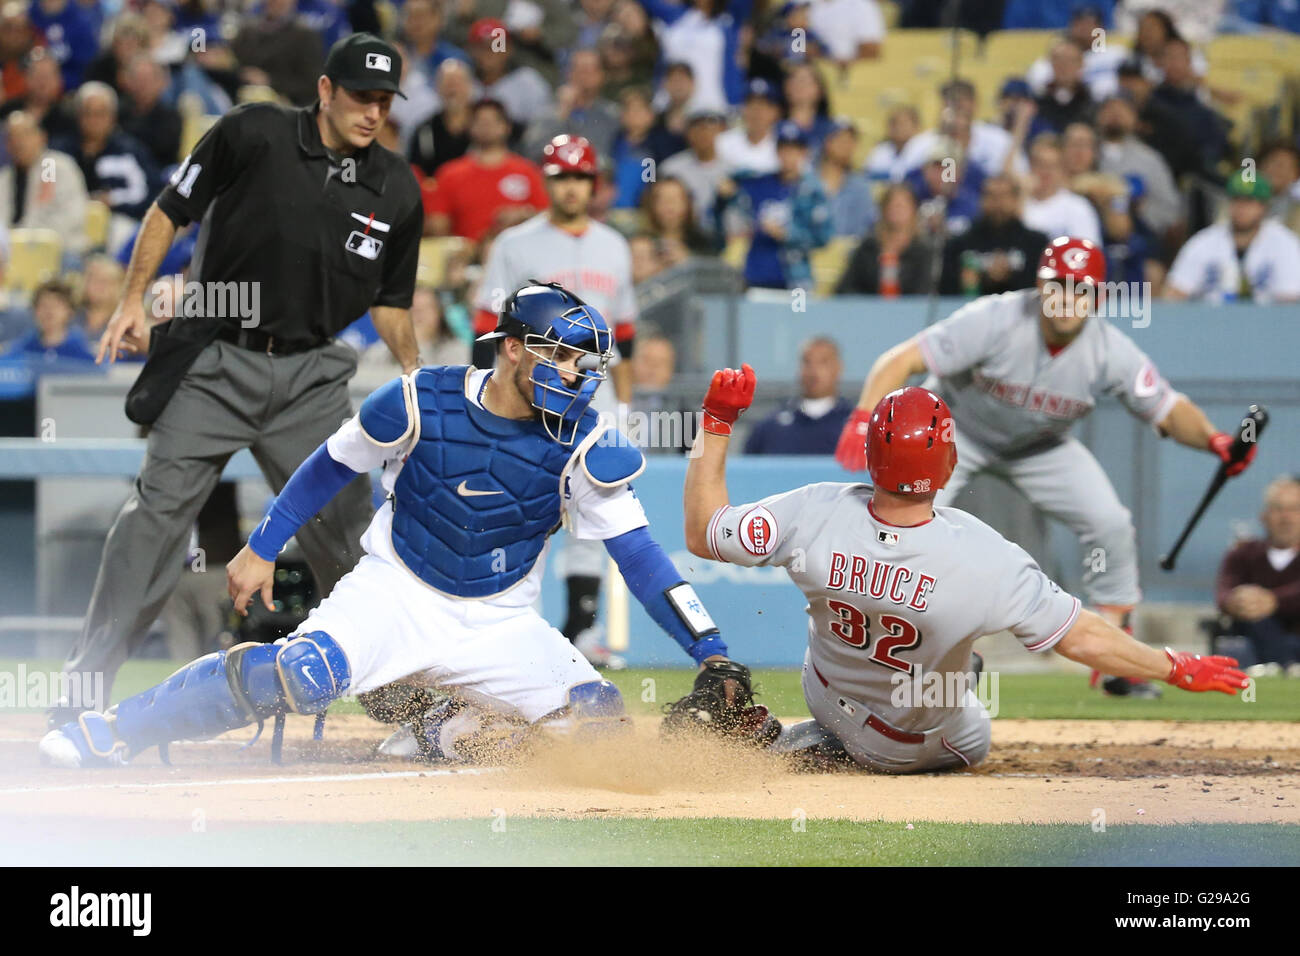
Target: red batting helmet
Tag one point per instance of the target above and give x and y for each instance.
(910, 446)
(1081, 259)
(569, 154)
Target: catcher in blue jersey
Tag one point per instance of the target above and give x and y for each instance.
(480, 467)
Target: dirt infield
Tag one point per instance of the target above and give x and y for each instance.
(1038, 772)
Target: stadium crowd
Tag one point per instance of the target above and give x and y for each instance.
(715, 125)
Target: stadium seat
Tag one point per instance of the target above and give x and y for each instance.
(255, 93)
(96, 229)
(34, 256)
(434, 253)
(736, 251)
(192, 130)
(828, 263)
(1012, 51)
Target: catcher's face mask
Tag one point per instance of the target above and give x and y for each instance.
(578, 332)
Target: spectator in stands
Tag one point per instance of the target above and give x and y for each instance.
(788, 41)
(145, 115)
(1160, 208)
(579, 109)
(540, 30)
(1050, 207)
(1258, 584)
(1248, 257)
(488, 188)
(640, 146)
(444, 136)
(422, 36)
(1155, 30)
(102, 281)
(986, 146)
(1282, 14)
(807, 104)
(1130, 249)
(591, 19)
(524, 92)
(1158, 126)
(438, 342)
(17, 37)
(784, 214)
(275, 50)
(893, 260)
(811, 424)
(417, 103)
(43, 99)
(674, 97)
(1065, 99)
(212, 73)
(699, 166)
(1180, 94)
(70, 36)
(670, 219)
(882, 164)
(999, 253)
(646, 263)
(750, 148)
(851, 29)
(41, 188)
(853, 209)
(628, 59)
(54, 338)
(128, 39)
(705, 34)
(1101, 55)
(948, 189)
(117, 167)
(1279, 165)
(669, 423)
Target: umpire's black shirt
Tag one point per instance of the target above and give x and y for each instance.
(325, 236)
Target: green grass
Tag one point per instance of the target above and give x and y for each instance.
(1032, 696)
(704, 842)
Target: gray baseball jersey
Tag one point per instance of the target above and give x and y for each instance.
(596, 266)
(1008, 392)
(884, 600)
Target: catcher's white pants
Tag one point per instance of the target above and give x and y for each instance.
(392, 626)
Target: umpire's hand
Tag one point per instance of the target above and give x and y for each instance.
(247, 573)
(127, 331)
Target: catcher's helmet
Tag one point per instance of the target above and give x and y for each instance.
(569, 154)
(910, 447)
(1080, 259)
(548, 317)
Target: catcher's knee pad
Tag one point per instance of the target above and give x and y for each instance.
(595, 699)
(231, 689)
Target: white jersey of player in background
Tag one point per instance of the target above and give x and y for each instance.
(885, 601)
(1009, 393)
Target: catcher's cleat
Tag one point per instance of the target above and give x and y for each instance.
(88, 741)
(400, 743)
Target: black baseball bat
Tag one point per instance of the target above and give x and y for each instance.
(1252, 426)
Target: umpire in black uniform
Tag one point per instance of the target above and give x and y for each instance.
(305, 224)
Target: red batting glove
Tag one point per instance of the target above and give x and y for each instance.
(729, 394)
(851, 452)
(1221, 445)
(1210, 672)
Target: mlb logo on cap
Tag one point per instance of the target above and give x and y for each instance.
(378, 61)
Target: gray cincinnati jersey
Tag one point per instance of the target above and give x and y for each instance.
(1009, 393)
(884, 600)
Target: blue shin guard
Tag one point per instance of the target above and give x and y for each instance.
(231, 689)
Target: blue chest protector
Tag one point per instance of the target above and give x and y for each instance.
(479, 494)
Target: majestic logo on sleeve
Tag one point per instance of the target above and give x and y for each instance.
(758, 531)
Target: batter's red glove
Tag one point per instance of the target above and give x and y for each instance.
(851, 452)
(1209, 672)
(729, 394)
(1221, 445)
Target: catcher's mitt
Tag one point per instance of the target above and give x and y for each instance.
(722, 702)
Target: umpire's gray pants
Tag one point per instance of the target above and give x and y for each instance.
(280, 407)
(1066, 483)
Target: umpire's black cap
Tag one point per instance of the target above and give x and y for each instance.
(363, 61)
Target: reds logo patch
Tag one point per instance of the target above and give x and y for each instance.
(1076, 260)
(758, 531)
(1147, 382)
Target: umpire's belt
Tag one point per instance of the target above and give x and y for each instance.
(875, 723)
(257, 341)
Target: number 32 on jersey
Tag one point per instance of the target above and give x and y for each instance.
(897, 634)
